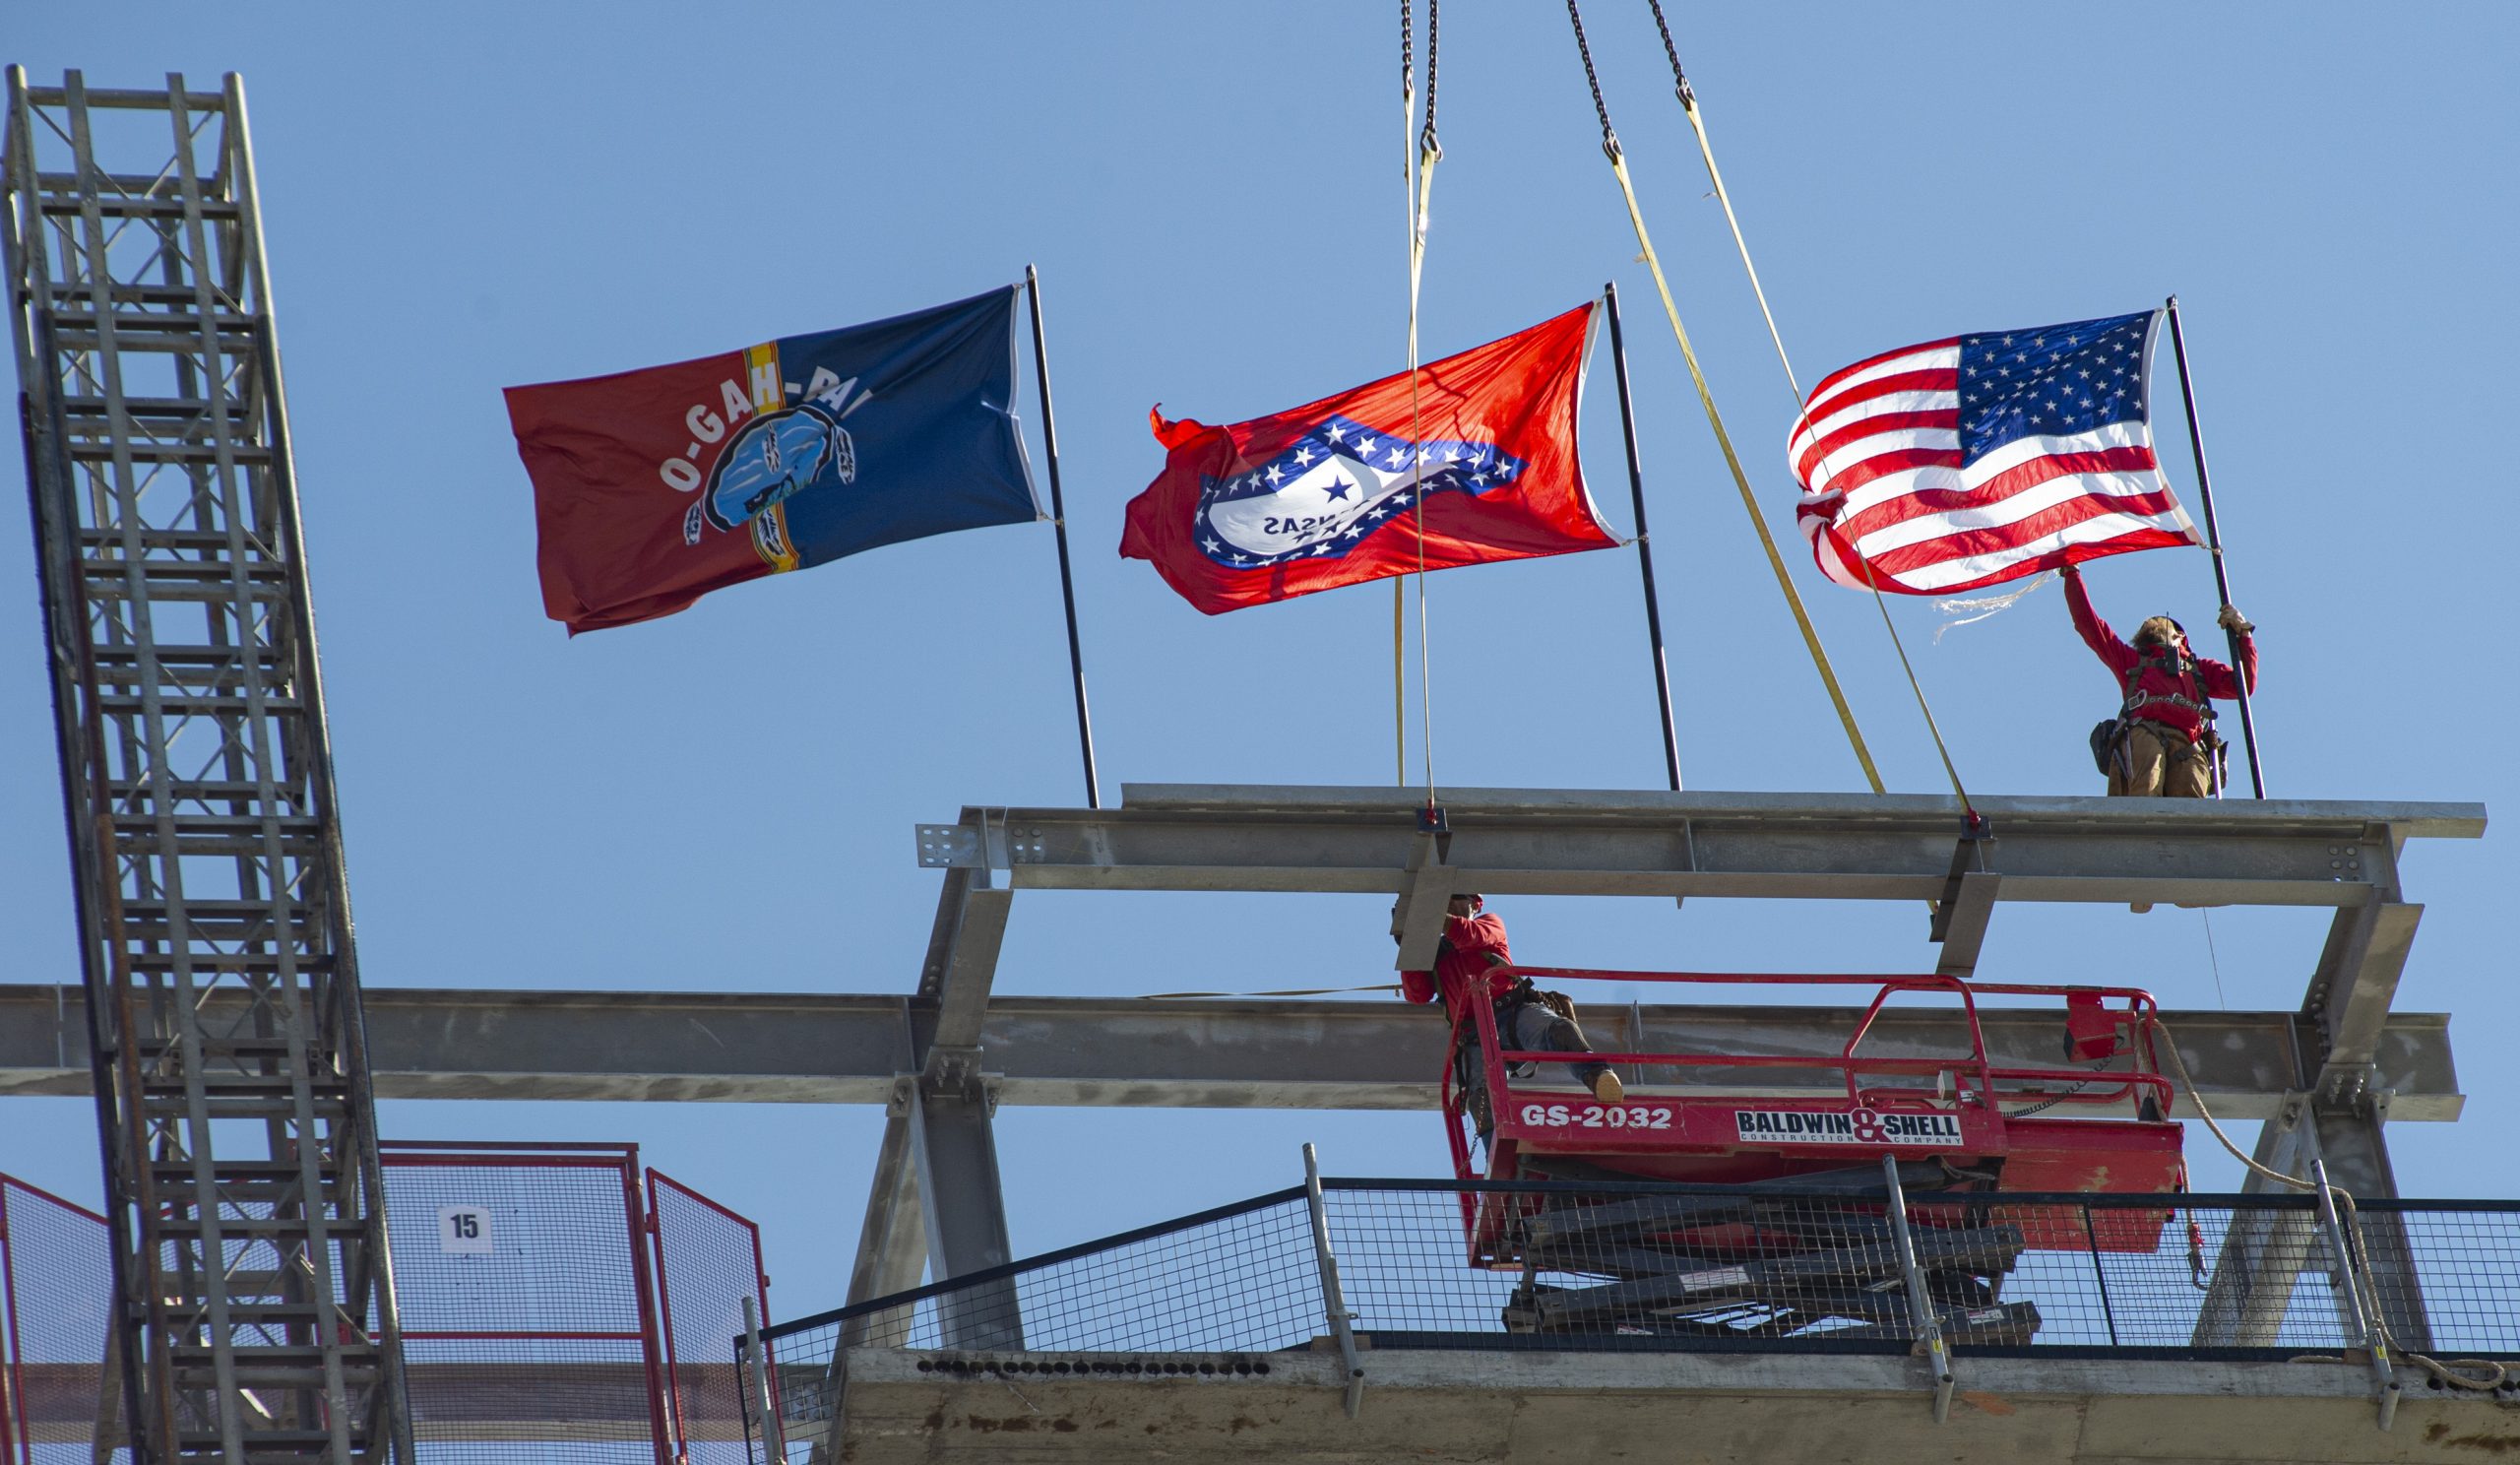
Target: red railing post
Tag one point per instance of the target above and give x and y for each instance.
(682, 1428)
(643, 1288)
(13, 1380)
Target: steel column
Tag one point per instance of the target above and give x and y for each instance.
(965, 1211)
(2264, 1254)
(938, 1172)
(2356, 1152)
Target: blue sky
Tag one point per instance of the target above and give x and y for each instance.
(463, 196)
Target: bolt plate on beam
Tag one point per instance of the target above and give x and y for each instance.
(950, 845)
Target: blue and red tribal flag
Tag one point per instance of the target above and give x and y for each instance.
(653, 487)
(1329, 494)
(1977, 459)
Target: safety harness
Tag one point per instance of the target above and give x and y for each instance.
(2180, 665)
(2109, 738)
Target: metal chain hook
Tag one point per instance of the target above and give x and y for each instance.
(1610, 137)
(1680, 87)
(1408, 61)
(1427, 144)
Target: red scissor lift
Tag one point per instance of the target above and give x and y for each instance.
(1804, 1245)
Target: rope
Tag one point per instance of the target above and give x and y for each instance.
(2215, 958)
(1688, 95)
(2358, 1266)
(1706, 398)
(1942, 749)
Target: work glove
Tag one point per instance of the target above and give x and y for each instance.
(2232, 621)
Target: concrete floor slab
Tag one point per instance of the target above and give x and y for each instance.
(1474, 1408)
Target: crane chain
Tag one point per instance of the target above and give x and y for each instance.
(1601, 108)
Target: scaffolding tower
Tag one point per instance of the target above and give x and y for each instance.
(255, 1320)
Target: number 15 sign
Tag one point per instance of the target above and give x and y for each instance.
(463, 1230)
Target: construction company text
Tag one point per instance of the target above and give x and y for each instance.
(1861, 1126)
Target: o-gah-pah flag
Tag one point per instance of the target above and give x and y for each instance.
(1329, 494)
(1977, 459)
(653, 487)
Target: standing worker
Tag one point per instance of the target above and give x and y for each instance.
(1473, 964)
(2161, 743)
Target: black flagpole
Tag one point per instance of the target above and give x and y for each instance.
(1058, 522)
(2214, 544)
(1644, 544)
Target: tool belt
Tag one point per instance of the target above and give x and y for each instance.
(1555, 1002)
(1521, 994)
(2109, 738)
(2108, 745)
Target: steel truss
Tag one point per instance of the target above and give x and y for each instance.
(256, 1318)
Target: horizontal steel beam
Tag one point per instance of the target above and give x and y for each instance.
(1127, 1052)
(1773, 846)
(515, 1402)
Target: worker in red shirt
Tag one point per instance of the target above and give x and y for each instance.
(2161, 744)
(1471, 964)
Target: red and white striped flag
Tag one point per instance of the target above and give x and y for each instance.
(1977, 459)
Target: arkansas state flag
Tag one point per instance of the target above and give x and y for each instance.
(1328, 495)
(653, 487)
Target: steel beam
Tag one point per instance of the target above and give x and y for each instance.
(780, 1048)
(1778, 846)
(1426, 890)
(1965, 925)
(2356, 980)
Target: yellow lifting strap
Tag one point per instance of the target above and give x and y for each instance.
(1732, 460)
(1418, 169)
(1428, 153)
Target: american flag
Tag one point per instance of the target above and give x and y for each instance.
(1977, 459)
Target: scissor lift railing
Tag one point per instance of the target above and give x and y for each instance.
(1912, 1104)
(255, 1312)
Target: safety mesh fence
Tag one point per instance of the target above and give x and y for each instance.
(707, 1263)
(56, 1303)
(1787, 1269)
(1239, 1279)
(1820, 1269)
(525, 1310)
(534, 1325)
(1440, 1264)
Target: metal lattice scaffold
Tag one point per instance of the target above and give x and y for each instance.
(256, 1314)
